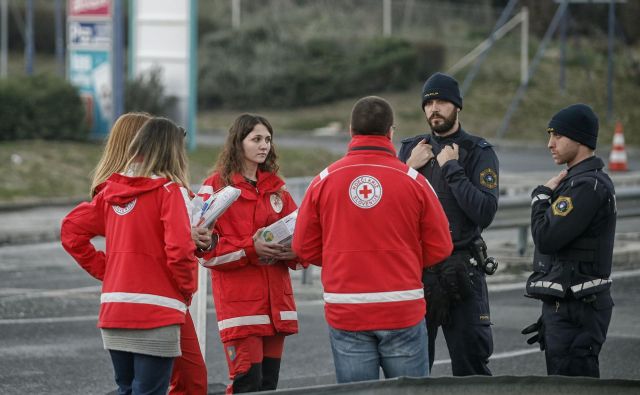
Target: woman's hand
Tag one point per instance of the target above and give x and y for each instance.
(202, 238)
(265, 249)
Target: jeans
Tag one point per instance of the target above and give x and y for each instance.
(358, 356)
(141, 374)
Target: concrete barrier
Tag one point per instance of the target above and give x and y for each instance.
(479, 385)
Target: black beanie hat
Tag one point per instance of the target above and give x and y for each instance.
(441, 86)
(578, 122)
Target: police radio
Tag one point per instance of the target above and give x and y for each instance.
(479, 252)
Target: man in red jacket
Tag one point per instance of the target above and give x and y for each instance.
(373, 224)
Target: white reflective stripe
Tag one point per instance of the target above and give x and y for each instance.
(617, 156)
(243, 321)
(547, 284)
(126, 297)
(590, 284)
(205, 189)
(541, 196)
(374, 297)
(289, 315)
(324, 173)
(618, 139)
(413, 173)
(226, 258)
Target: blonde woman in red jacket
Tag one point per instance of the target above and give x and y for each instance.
(251, 284)
(189, 375)
(149, 268)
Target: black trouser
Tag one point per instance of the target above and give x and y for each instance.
(468, 334)
(260, 377)
(574, 334)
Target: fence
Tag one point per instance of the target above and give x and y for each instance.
(513, 211)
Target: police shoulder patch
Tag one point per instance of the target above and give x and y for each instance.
(488, 178)
(562, 206)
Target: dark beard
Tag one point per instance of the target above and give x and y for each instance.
(446, 125)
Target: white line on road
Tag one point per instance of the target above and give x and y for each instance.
(48, 320)
(501, 355)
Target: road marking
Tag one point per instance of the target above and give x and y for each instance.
(501, 355)
(30, 293)
(48, 320)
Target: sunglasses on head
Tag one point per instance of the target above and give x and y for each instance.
(184, 132)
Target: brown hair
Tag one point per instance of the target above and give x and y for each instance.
(114, 156)
(371, 115)
(231, 159)
(159, 149)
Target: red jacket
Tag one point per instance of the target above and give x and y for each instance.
(251, 298)
(373, 224)
(149, 269)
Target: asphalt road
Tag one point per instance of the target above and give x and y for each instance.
(49, 343)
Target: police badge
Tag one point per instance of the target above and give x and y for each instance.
(562, 206)
(488, 178)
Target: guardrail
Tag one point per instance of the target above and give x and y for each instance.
(513, 211)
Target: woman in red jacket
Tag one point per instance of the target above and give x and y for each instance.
(189, 375)
(251, 284)
(148, 269)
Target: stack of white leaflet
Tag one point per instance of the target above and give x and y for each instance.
(204, 212)
(281, 231)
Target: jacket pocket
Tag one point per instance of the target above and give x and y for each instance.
(242, 285)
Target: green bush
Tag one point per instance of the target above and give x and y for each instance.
(264, 67)
(40, 107)
(146, 93)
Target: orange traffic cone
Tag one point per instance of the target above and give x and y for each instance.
(618, 156)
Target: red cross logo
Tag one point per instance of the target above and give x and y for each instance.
(365, 191)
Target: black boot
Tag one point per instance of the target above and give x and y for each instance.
(248, 381)
(270, 373)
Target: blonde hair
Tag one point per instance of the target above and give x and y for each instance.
(159, 149)
(231, 159)
(114, 156)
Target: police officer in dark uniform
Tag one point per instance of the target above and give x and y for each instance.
(463, 170)
(573, 221)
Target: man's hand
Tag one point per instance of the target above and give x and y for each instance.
(539, 336)
(420, 155)
(286, 254)
(555, 180)
(201, 237)
(448, 153)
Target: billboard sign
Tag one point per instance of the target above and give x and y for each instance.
(89, 43)
(91, 33)
(90, 72)
(89, 8)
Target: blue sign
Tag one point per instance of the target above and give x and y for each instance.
(90, 33)
(90, 72)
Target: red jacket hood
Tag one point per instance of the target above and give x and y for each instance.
(120, 190)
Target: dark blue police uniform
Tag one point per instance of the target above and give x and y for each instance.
(468, 191)
(573, 228)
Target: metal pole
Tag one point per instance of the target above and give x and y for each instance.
(4, 44)
(563, 50)
(118, 60)
(59, 37)
(28, 42)
(235, 14)
(508, 9)
(386, 18)
(612, 23)
(524, 45)
(534, 64)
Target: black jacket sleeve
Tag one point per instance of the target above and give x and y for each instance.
(476, 190)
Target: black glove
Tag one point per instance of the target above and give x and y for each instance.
(438, 303)
(539, 336)
(454, 277)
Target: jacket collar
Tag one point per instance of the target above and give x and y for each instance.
(454, 137)
(589, 164)
(371, 144)
(267, 182)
